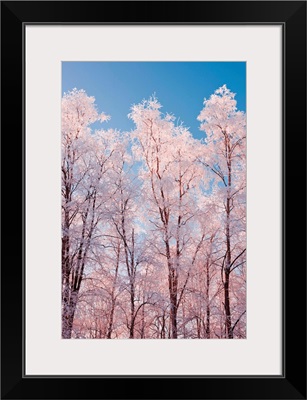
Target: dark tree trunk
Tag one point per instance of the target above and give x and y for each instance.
(69, 308)
(132, 312)
(207, 302)
(143, 322)
(163, 327)
(198, 327)
(113, 297)
(229, 332)
(173, 289)
(173, 314)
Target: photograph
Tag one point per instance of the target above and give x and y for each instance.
(153, 167)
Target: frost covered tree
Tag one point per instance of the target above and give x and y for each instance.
(85, 159)
(124, 219)
(170, 176)
(224, 156)
(153, 223)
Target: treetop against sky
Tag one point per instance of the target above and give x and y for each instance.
(179, 86)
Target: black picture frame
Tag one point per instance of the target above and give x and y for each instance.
(292, 16)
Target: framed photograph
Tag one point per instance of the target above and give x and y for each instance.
(162, 147)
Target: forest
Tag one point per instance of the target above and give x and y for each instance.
(153, 222)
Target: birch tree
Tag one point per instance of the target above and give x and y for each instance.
(84, 162)
(169, 176)
(153, 223)
(224, 156)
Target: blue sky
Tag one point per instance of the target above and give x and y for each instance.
(179, 86)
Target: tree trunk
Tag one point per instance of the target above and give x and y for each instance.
(113, 297)
(69, 308)
(173, 314)
(143, 321)
(132, 312)
(173, 289)
(173, 283)
(229, 332)
(227, 274)
(198, 327)
(207, 302)
(163, 327)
